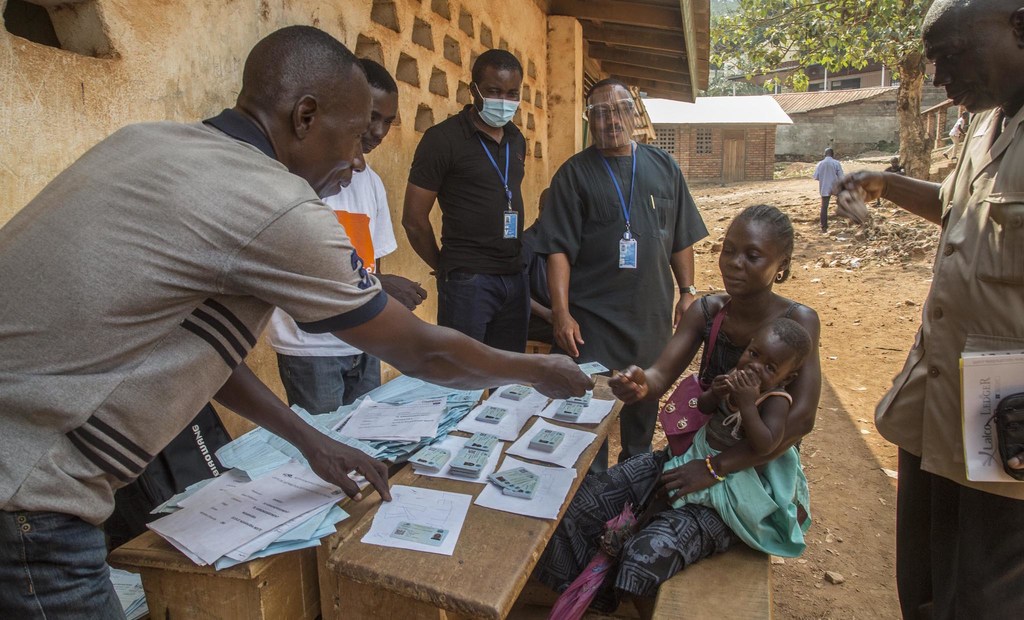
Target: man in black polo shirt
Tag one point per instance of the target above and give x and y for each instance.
(473, 165)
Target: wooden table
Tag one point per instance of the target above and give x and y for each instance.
(494, 557)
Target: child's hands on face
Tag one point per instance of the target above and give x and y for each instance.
(720, 387)
(744, 386)
(630, 385)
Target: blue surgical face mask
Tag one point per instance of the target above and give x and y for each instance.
(497, 112)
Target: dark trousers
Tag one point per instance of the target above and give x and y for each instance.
(322, 384)
(636, 429)
(824, 212)
(493, 309)
(959, 551)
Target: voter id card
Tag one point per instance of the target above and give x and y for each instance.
(422, 534)
(522, 491)
(517, 392)
(431, 459)
(582, 400)
(569, 411)
(518, 478)
(468, 462)
(482, 441)
(510, 229)
(627, 253)
(491, 414)
(547, 440)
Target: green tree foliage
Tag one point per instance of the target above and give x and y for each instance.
(838, 34)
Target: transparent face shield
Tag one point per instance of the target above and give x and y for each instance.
(612, 119)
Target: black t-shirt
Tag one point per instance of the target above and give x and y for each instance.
(451, 161)
(625, 315)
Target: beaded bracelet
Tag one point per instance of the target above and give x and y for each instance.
(711, 469)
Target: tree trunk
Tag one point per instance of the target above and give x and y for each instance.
(914, 148)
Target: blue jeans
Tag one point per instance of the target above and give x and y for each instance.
(492, 309)
(54, 565)
(322, 384)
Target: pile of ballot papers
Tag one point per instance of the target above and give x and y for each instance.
(128, 587)
(232, 519)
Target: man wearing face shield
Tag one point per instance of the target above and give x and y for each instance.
(618, 231)
(473, 164)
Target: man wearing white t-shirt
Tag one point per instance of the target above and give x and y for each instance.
(319, 371)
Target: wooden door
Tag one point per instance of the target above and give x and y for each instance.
(733, 156)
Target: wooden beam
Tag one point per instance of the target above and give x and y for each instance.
(633, 56)
(618, 12)
(634, 36)
(648, 85)
(633, 71)
(696, 16)
(675, 95)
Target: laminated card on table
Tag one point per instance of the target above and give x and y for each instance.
(553, 484)
(568, 451)
(593, 412)
(453, 444)
(419, 520)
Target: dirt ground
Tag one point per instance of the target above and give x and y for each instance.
(867, 285)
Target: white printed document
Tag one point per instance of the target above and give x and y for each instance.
(565, 453)
(385, 422)
(553, 486)
(419, 520)
(986, 378)
(593, 413)
(231, 518)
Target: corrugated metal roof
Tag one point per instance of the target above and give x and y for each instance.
(755, 110)
(797, 103)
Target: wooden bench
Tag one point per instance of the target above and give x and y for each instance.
(735, 584)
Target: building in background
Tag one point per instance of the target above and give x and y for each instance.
(723, 139)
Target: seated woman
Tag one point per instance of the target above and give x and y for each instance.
(709, 495)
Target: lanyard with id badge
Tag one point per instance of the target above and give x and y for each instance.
(627, 245)
(510, 224)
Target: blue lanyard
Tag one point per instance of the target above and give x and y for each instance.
(626, 206)
(504, 179)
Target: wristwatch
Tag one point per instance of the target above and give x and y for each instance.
(689, 289)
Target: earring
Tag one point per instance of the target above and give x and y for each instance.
(779, 277)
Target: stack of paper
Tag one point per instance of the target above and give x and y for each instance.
(552, 487)
(593, 412)
(420, 520)
(453, 444)
(565, 454)
(230, 520)
(128, 587)
(519, 412)
(409, 422)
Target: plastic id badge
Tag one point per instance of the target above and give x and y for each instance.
(627, 253)
(510, 230)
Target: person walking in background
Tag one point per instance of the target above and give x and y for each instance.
(956, 134)
(826, 174)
